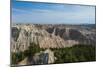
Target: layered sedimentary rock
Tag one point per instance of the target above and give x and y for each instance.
(44, 57)
(50, 36)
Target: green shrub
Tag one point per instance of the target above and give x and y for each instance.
(77, 53)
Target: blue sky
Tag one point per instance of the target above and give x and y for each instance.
(45, 13)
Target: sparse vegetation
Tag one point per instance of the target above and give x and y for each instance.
(32, 49)
(77, 53)
(17, 57)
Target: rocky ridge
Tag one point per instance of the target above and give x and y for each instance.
(49, 36)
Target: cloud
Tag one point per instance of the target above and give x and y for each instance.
(61, 14)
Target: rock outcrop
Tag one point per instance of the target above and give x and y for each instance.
(50, 36)
(44, 57)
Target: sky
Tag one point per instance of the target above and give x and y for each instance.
(50, 13)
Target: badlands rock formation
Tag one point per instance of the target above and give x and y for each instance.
(50, 36)
(44, 57)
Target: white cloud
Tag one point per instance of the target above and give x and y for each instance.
(85, 15)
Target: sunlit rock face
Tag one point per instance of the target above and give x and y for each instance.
(50, 36)
(43, 57)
